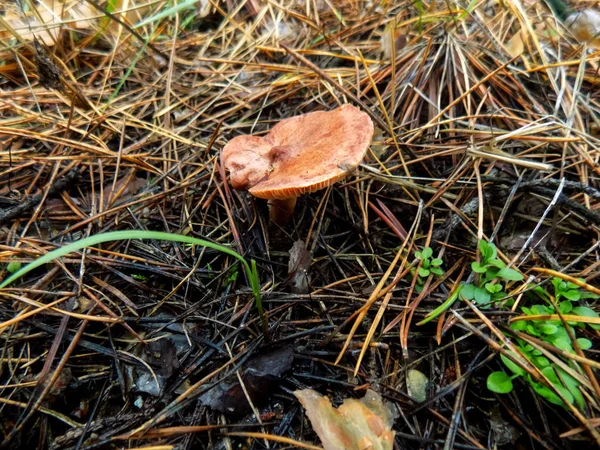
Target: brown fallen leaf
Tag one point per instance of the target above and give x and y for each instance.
(298, 266)
(515, 45)
(261, 375)
(124, 189)
(48, 19)
(364, 424)
(161, 357)
(49, 74)
(398, 36)
(504, 432)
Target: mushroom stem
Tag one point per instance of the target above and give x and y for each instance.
(280, 210)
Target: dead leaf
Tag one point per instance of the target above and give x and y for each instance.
(161, 357)
(259, 377)
(62, 382)
(504, 432)
(204, 8)
(298, 265)
(355, 425)
(50, 17)
(515, 45)
(378, 146)
(585, 26)
(162, 354)
(397, 36)
(124, 189)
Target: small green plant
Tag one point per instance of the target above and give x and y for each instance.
(250, 268)
(565, 384)
(490, 273)
(501, 382)
(421, 10)
(13, 266)
(569, 291)
(231, 276)
(553, 332)
(428, 266)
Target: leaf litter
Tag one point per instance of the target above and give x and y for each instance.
(298, 268)
(354, 425)
(260, 378)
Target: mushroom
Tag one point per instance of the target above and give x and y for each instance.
(585, 26)
(300, 155)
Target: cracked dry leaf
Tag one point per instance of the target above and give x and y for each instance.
(356, 425)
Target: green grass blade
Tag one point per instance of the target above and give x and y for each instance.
(255, 284)
(167, 12)
(468, 11)
(126, 235)
(440, 309)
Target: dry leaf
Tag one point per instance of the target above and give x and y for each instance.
(397, 36)
(204, 8)
(52, 16)
(124, 189)
(48, 72)
(504, 432)
(355, 425)
(515, 45)
(378, 146)
(261, 375)
(161, 356)
(298, 266)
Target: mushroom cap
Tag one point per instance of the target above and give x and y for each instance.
(585, 25)
(301, 154)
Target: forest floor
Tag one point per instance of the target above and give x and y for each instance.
(453, 272)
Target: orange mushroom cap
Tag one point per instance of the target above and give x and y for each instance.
(301, 154)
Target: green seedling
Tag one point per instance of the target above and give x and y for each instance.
(428, 266)
(421, 10)
(250, 268)
(501, 382)
(231, 276)
(554, 333)
(210, 270)
(490, 273)
(13, 266)
(570, 291)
